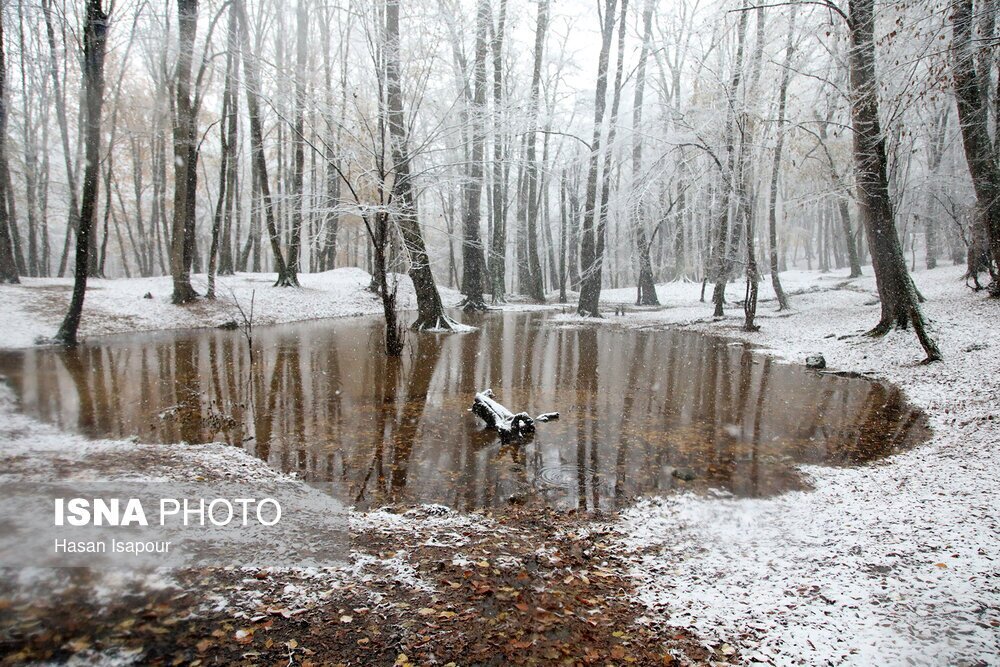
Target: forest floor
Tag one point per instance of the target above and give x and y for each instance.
(891, 563)
(122, 305)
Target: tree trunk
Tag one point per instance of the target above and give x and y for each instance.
(589, 295)
(973, 118)
(185, 157)
(646, 290)
(298, 141)
(95, 36)
(725, 228)
(473, 259)
(257, 149)
(8, 262)
(60, 102)
(227, 171)
(896, 290)
(772, 217)
(498, 242)
(430, 311)
(534, 287)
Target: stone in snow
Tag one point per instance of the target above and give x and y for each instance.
(816, 361)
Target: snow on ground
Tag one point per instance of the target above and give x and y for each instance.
(891, 564)
(35, 308)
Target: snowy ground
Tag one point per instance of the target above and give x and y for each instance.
(35, 308)
(894, 563)
(891, 564)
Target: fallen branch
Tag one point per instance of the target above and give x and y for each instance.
(507, 424)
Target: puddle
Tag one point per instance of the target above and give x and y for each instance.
(641, 411)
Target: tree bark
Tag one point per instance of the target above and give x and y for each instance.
(772, 218)
(534, 287)
(646, 290)
(185, 157)
(473, 259)
(896, 290)
(430, 311)
(257, 149)
(589, 296)
(973, 118)
(95, 35)
(501, 170)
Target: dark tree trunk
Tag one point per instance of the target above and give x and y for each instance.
(589, 294)
(534, 287)
(973, 118)
(772, 218)
(185, 157)
(430, 311)
(8, 262)
(257, 149)
(498, 242)
(896, 290)
(473, 259)
(646, 290)
(95, 36)
(298, 141)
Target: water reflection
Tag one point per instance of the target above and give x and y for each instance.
(640, 409)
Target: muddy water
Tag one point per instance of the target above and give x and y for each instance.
(640, 409)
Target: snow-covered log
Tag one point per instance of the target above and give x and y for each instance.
(496, 416)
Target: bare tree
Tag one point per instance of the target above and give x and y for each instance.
(498, 241)
(896, 290)
(772, 222)
(646, 289)
(589, 293)
(473, 259)
(95, 37)
(8, 263)
(298, 160)
(257, 144)
(185, 156)
(535, 280)
(430, 311)
(973, 116)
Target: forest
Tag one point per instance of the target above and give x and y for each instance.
(655, 332)
(700, 141)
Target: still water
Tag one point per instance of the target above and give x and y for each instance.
(640, 409)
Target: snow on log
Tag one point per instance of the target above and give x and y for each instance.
(496, 416)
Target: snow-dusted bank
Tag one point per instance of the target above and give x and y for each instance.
(35, 308)
(892, 563)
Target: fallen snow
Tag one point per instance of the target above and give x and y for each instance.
(892, 564)
(35, 308)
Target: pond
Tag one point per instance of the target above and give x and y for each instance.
(642, 411)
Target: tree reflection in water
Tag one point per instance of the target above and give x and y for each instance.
(321, 400)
